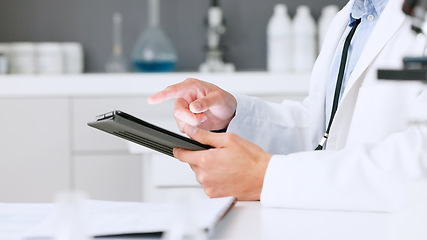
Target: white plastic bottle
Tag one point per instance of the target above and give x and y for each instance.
(325, 20)
(22, 58)
(304, 40)
(279, 40)
(73, 57)
(49, 58)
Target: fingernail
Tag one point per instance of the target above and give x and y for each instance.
(195, 107)
(204, 119)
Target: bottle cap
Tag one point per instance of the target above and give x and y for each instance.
(22, 47)
(49, 47)
(280, 8)
(303, 10)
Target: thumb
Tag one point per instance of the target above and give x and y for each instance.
(205, 103)
(203, 136)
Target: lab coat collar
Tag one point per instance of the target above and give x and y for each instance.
(363, 7)
(390, 21)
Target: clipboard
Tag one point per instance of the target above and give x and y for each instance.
(126, 126)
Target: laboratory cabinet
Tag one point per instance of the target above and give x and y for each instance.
(46, 146)
(34, 148)
(102, 165)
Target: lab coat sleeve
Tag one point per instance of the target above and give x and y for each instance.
(369, 178)
(256, 119)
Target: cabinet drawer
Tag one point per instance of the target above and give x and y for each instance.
(34, 149)
(170, 172)
(168, 179)
(114, 177)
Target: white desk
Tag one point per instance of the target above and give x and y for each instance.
(248, 220)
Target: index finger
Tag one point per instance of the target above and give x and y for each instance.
(166, 94)
(173, 91)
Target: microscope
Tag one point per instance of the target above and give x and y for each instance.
(214, 50)
(415, 68)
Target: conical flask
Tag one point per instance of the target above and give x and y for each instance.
(153, 51)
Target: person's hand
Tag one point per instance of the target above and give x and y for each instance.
(199, 103)
(234, 167)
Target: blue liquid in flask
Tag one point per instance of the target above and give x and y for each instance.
(153, 50)
(154, 66)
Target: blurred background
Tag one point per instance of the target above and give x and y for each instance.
(184, 21)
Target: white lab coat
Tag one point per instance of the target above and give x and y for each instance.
(373, 150)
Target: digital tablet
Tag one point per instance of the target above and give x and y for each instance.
(133, 129)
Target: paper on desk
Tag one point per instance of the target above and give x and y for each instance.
(16, 218)
(111, 218)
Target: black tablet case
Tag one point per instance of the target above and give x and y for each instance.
(133, 129)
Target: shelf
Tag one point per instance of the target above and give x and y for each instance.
(138, 84)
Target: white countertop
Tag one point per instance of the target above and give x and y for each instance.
(251, 221)
(252, 83)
